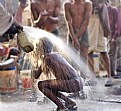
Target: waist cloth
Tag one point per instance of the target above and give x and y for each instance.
(97, 41)
(83, 40)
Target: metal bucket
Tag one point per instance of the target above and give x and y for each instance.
(8, 81)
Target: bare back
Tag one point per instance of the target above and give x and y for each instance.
(58, 66)
(50, 6)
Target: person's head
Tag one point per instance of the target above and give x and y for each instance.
(98, 3)
(13, 52)
(44, 46)
(107, 2)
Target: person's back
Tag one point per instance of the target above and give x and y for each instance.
(46, 14)
(59, 66)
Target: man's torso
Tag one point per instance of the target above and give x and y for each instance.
(48, 7)
(77, 13)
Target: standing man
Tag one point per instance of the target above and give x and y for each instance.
(77, 14)
(46, 14)
(115, 37)
(99, 31)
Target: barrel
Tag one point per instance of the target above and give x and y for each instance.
(8, 81)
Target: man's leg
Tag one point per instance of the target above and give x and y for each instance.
(106, 60)
(46, 89)
(51, 89)
(91, 61)
(113, 58)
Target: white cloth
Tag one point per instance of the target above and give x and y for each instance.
(97, 41)
(10, 5)
(6, 20)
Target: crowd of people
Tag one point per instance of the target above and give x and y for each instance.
(93, 26)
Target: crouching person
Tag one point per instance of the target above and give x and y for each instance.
(66, 77)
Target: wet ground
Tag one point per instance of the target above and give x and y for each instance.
(99, 98)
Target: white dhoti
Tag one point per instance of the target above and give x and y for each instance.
(97, 41)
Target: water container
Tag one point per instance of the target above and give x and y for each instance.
(8, 81)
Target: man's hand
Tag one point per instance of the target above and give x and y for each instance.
(45, 13)
(18, 26)
(76, 44)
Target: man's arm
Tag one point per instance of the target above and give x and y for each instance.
(68, 20)
(33, 11)
(115, 20)
(85, 23)
(55, 17)
(36, 17)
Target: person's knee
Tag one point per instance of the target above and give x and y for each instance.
(40, 86)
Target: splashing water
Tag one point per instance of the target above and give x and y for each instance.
(68, 53)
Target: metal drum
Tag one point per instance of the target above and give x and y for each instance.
(8, 81)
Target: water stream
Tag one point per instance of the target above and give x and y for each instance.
(92, 87)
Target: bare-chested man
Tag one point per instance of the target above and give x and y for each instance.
(66, 77)
(77, 14)
(46, 14)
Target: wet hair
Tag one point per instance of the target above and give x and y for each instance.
(46, 45)
(13, 51)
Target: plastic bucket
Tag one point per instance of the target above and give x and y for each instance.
(26, 79)
(8, 81)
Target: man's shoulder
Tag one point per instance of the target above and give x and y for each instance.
(35, 2)
(112, 7)
(88, 2)
(67, 4)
